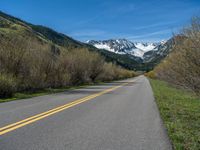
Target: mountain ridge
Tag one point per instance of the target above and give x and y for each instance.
(124, 46)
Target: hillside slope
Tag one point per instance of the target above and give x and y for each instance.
(14, 27)
(11, 28)
(10, 23)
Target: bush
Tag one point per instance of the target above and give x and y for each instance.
(150, 74)
(7, 86)
(112, 72)
(37, 66)
(182, 66)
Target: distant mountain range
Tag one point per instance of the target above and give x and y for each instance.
(124, 46)
(146, 52)
(131, 55)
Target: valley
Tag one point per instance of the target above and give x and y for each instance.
(78, 92)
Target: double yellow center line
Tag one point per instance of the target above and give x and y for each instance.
(40, 116)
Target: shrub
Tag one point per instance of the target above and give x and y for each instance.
(107, 73)
(37, 66)
(151, 74)
(182, 66)
(112, 72)
(7, 86)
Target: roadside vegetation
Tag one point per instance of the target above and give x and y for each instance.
(31, 65)
(180, 112)
(182, 66)
(176, 85)
(38, 59)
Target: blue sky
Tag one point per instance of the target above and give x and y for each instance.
(136, 20)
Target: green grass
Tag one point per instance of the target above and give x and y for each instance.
(180, 111)
(24, 95)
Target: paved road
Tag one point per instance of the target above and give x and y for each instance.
(120, 118)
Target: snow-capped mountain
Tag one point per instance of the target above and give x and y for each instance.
(139, 55)
(159, 52)
(124, 46)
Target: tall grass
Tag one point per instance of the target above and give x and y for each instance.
(180, 112)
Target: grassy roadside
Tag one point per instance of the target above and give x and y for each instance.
(24, 95)
(180, 111)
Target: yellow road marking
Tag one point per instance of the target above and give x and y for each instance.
(40, 116)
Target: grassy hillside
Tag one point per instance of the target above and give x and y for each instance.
(180, 112)
(11, 23)
(11, 26)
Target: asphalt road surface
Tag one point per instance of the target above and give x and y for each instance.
(119, 115)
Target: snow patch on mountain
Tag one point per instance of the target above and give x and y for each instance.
(124, 46)
(145, 47)
(104, 46)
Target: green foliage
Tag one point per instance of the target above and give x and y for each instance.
(7, 85)
(180, 112)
